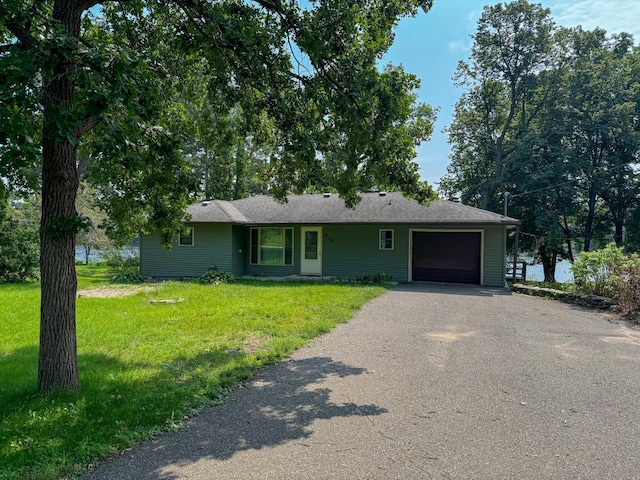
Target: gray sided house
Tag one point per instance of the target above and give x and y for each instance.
(316, 235)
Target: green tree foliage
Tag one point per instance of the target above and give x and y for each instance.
(632, 238)
(613, 273)
(228, 158)
(594, 272)
(511, 50)
(19, 248)
(602, 103)
(115, 81)
(562, 140)
(95, 237)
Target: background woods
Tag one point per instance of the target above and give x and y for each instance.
(551, 117)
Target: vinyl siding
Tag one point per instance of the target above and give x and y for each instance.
(348, 251)
(353, 250)
(494, 256)
(212, 248)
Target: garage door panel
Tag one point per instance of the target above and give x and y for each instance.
(446, 257)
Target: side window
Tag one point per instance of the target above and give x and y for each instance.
(186, 237)
(386, 240)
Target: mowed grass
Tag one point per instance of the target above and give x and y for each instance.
(146, 363)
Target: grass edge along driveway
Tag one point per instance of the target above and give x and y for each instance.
(146, 365)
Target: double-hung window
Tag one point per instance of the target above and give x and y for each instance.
(272, 246)
(186, 237)
(386, 240)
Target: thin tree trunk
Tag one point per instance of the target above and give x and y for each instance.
(567, 235)
(591, 213)
(57, 362)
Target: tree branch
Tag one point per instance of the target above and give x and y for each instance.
(87, 125)
(87, 4)
(276, 7)
(25, 39)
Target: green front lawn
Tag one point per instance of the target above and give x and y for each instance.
(144, 364)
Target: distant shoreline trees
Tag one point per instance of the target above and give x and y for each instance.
(551, 117)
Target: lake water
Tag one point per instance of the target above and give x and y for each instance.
(96, 255)
(563, 272)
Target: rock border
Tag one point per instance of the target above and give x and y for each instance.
(591, 301)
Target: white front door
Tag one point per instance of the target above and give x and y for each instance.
(311, 251)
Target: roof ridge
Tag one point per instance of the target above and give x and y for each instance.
(231, 211)
(482, 209)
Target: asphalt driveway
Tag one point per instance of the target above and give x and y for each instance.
(427, 381)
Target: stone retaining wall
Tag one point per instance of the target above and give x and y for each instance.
(591, 301)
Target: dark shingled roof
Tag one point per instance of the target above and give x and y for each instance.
(374, 208)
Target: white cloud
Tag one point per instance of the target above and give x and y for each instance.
(614, 16)
(461, 46)
(472, 18)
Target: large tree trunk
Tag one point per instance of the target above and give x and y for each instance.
(487, 193)
(619, 226)
(57, 363)
(490, 186)
(549, 268)
(549, 261)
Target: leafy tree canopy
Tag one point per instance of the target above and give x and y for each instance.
(118, 82)
(550, 115)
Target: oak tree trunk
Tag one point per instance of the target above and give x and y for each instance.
(57, 362)
(619, 228)
(549, 261)
(549, 268)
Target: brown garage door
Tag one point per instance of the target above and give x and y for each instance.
(446, 257)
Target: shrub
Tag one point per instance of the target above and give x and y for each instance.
(120, 258)
(611, 273)
(128, 275)
(216, 277)
(124, 267)
(594, 272)
(19, 252)
(627, 287)
(376, 278)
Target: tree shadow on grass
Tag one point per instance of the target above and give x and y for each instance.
(43, 436)
(278, 408)
(18, 376)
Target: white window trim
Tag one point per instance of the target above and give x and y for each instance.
(393, 239)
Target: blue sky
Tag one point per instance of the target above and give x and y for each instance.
(431, 45)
